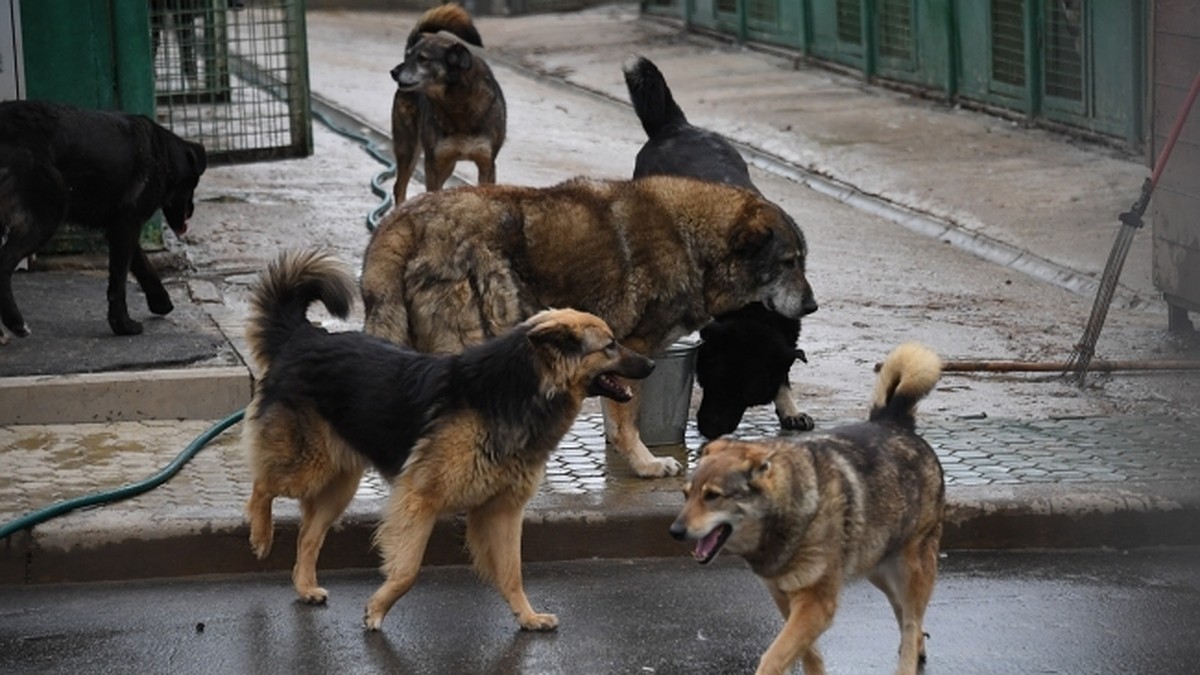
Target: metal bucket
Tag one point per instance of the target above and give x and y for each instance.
(667, 394)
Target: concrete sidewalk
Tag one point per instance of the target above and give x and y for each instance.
(1128, 476)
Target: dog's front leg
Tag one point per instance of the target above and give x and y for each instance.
(622, 431)
(810, 612)
(402, 537)
(494, 537)
(122, 241)
(486, 166)
(157, 298)
(789, 415)
(439, 166)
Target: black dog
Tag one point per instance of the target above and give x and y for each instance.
(105, 170)
(744, 361)
(746, 355)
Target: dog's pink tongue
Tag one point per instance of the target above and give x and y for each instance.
(706, 548)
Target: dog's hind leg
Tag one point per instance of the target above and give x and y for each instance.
(157, 298)
(33, 204)
(317, 514)
(10, 314)
(810, 612)
(920, 559)
(494, 537)
(402, 537)
(907, 580)
(258, 512)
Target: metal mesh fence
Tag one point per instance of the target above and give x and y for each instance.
(233, 75)
(849, 21)
(1008, 42)
(896, 29)
(1064, 61)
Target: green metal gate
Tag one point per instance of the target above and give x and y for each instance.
(233, 75)
(1075, 62)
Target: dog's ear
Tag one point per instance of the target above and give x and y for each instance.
(197, 157)
(760, 466)
(749, 236)
(459, 57)
(556, 334)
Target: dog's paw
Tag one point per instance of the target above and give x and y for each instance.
(124, 326)
(21, 331)
(659, 467)
(372, 621)
(313, 596)
(261, 546)
(539, 622)
(160, 305)
(797, 422)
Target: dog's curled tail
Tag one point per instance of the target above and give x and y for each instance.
(450, 17)
(650, 95)
(280, 299)
(908, 374)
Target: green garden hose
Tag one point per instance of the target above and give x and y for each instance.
(54, 510)
(42, 515)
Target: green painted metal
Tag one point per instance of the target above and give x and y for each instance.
(1076, 62)
(93, 54)
(298, 89)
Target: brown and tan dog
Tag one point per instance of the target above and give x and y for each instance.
(807, 513)
(468, 432)
(656, 258)
(447, 104)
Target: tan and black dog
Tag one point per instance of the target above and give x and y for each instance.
(656, 258)
(808, 513)
(447, 105)
(468, 432)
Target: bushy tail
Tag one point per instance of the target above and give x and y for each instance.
(908, 374)
(280, 300)
(450, 17)
(651, 97)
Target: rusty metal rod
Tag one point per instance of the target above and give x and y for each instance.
(986, 366)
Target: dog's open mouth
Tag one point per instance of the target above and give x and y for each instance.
(710, 544)
(607, 385)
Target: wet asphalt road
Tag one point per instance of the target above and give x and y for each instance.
(993, 612)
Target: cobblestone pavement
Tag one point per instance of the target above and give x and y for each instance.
(50, 463)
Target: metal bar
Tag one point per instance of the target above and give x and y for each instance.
(984, 366)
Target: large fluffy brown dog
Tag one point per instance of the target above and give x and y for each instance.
(447, 104)
(656, 258)
(465, 432)
(807, 513)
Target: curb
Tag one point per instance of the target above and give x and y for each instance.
(191, 393)
(1121, 516)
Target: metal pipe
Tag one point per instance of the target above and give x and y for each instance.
(986, 366)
